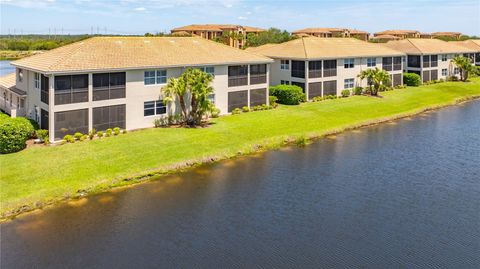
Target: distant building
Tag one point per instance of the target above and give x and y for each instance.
(384, 38)
(431, 59)
(473, 44)
(455, 35)
(332, 32)
(402, 34)
(235, 35)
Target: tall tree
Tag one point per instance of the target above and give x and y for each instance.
(377, 79)
(465, 66)
(272, 35)
(191, 90)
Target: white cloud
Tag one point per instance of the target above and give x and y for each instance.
(242, 18)
(140, 9)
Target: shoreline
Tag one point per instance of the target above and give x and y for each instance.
(273, 143)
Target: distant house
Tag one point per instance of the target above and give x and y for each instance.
(235, 35)
(384, 38)
(332, 32)
(473, 44)
(430, 58)
(402, 34)
(326, 66)
(107, 82)
(455, 35)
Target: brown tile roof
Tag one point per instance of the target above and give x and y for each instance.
(389, 37)
(396, 32)
(471, 44)
(111, 53)
(425, 46)
(323, 48)
(215, 28)
(446, 34)
(318, 30)
(355, 31)
(9, 82)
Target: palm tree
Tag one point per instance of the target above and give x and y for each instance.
(191, 90)
(377, 79)
(465, 66)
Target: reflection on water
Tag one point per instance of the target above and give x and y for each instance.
(390, 196)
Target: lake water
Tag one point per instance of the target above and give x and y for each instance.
(6, 68)
(399, 195)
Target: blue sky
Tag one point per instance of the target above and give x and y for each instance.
(140, 16)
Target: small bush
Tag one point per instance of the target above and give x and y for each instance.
(124, 132)
(77, 135)
(108, 132)
(330, 97)
(100, 134)
(357, 91)
(288, 94)
(301, 141)
(317, 99)
(92, 133)
(161, 122)
(69, 139)
(272, 100)
(116, 131)
(83, 137)
(236, 111)
(46, 140)
(14, 133)
(345, 93)
(452, 78)
(41, 134)
(245, 109)
(215, 113)
(411, 79)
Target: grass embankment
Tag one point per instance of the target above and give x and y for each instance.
(40, 175)
(16, 54)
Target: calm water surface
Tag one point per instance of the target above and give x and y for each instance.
(6, 68)
(401, 195)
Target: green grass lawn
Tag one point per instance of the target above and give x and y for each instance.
(51, 173)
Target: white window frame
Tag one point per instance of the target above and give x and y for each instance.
(456, 71)
(444, 57)
(207, 69)
(348, 83)
(211, 98)
(156, 105)
(444, 72)
(36, 80)
(371, 62)
(20, 75)
(157, 76)
(161, 75)
(349, 63)
(150, 77)
(284, 82)
(284, 64)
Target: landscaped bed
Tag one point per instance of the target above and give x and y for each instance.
(40, 175)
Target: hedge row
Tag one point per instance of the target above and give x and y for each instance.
(14, 133)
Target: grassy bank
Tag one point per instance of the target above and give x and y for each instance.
(16, 54)
(40, 175)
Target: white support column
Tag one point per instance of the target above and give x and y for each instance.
(51, 106)
(248, 83)
(268, 84)
(306, 80)
(90, 100)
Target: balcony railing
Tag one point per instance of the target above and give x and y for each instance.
(426, 64)
(258, 79)
(329, 72)
(234, 81)
(107, 93)
(315, 73)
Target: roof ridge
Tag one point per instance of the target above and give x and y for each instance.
(79, 45)
(408, 39)
(304, 48)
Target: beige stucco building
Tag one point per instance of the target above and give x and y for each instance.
(333, 32)
(236, 35)
(326, 66)
(107, 82)
(430, 58)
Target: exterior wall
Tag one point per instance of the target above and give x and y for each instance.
(441, 65)
(33, 105)
(360, 64)
(11, 104)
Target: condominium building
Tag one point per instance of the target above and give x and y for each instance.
(402, 34)
(454, 35)
(12, 99)
(326, 66)
(234, 35)
(106, 82)
(430, 58)
(332, 32)
(473, 44)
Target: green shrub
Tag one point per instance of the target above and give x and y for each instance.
(116, 131)
(92, 133)
(161, 122)
(272, 100)
(411, 79)
(41, 134)
(100, 134)
(14, 133)
(46, 140)
(69, 139)
(236, 111)
(452, 78)
(317, 99)
(345, 93)
(330, 97)
(357, 91)
(83, 137)
(124, 132)
(288, 94)
(77, 135)
(245, 109)
(108, 132)
(215, 113)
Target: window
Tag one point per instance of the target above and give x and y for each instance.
(44, 96)
(330, 88)
(108, 117)
(258, 73)
(315, 69)
(36, 81)
(152, 77)
(444, 57)
(152, 108)
(298, 69)
(284, 64)
(314, 89)
(284, 82)
(434, 61)
(211, 98)
(397, 79)
(109, 86)
(371, 62)
(20, 75)
(445, 72)
(237, 100)
(456, 71)
(71, 89)
(237, 75)
(348, 83)
(207, 69)
(413, 61)
(329, 68)
(387, 63)
(258, 97)
(70, 122)
(397, 63)
(348, 63)
(426, 61)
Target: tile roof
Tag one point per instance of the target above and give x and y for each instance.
(9, 82)
(215, 27)
(426, 46)
(446, 33)
(391, 37)
(396, 32)
(473, 44)
(324, 48)
(117, 53)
